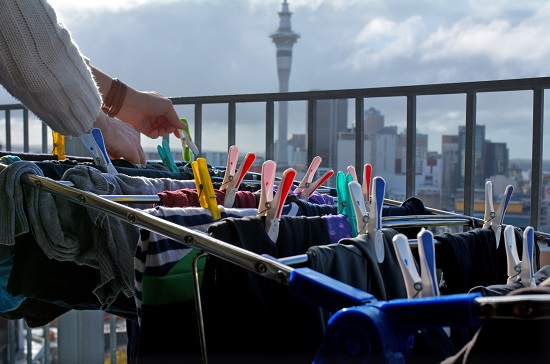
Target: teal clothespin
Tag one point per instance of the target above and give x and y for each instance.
(166, 156)
(345, 202)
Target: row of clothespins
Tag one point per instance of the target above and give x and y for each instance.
(361, 203)
(95, 144)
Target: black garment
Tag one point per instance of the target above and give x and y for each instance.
(62, 283)
(512, 340)
(249, 318)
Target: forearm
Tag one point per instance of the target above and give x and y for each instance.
(42, 67)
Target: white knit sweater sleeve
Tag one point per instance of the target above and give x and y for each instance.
(42, 67)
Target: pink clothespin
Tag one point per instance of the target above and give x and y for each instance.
(271, 206)
(232, 180)
(306, 186)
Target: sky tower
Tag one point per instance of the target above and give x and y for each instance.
(284, 38)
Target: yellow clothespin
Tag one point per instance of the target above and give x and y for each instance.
(205, 189)
(58, 145)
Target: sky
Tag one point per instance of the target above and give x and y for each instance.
(217, 47)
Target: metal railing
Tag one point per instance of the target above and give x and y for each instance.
(470, 89)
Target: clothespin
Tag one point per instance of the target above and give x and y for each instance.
(95, 144)
(418, 285)
(375, 216)
(495, 219)
(359, 207)
(367, 175)
(306, 186)
(353, 173)
(345, 201)
(166, 156)
(58, 145)
(187, 145)
(520, 271)
(205, 189)
(271, 206)
(232, 179)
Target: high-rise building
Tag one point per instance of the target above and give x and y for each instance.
(332, 118)
(495, 159)
(479, 142)
(374, 120)
(284, 38)
(449, 185)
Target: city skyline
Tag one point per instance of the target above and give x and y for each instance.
(172, 47)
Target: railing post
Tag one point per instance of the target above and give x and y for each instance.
(231, 124)
(8, 129)
(269, 130)
(410, 184)
(311, 129)
(44, 138)
(359, 137)
(26, 130)
(198, 126)
(469, 153)
(536, 158)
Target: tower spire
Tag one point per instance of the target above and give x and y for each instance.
(284, 38)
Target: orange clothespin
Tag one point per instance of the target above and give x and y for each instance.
(58, 145)
(205, 189)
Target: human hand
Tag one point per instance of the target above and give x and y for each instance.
(121, 139)
(150, 113)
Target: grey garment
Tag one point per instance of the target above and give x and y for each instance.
(13, 220)
(108, 240)
(67, 231)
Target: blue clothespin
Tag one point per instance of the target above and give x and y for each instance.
(166, 156)
(95, 144)
(425, 283)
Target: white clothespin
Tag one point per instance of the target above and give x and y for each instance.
(495, 219)
(232, 180)
(359, 206)
(96, 146)
(418, 285)
(520, 270)
(306, 186)
(271, 206)
(375, 216)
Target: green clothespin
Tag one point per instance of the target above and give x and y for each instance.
(345, 202)
(187, 145)
(166, 156)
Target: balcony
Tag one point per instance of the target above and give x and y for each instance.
(535, 207)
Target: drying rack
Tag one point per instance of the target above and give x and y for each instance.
(363, 329)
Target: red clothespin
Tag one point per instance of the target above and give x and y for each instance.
(367, 175)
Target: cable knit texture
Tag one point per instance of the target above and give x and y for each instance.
(42, 67)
